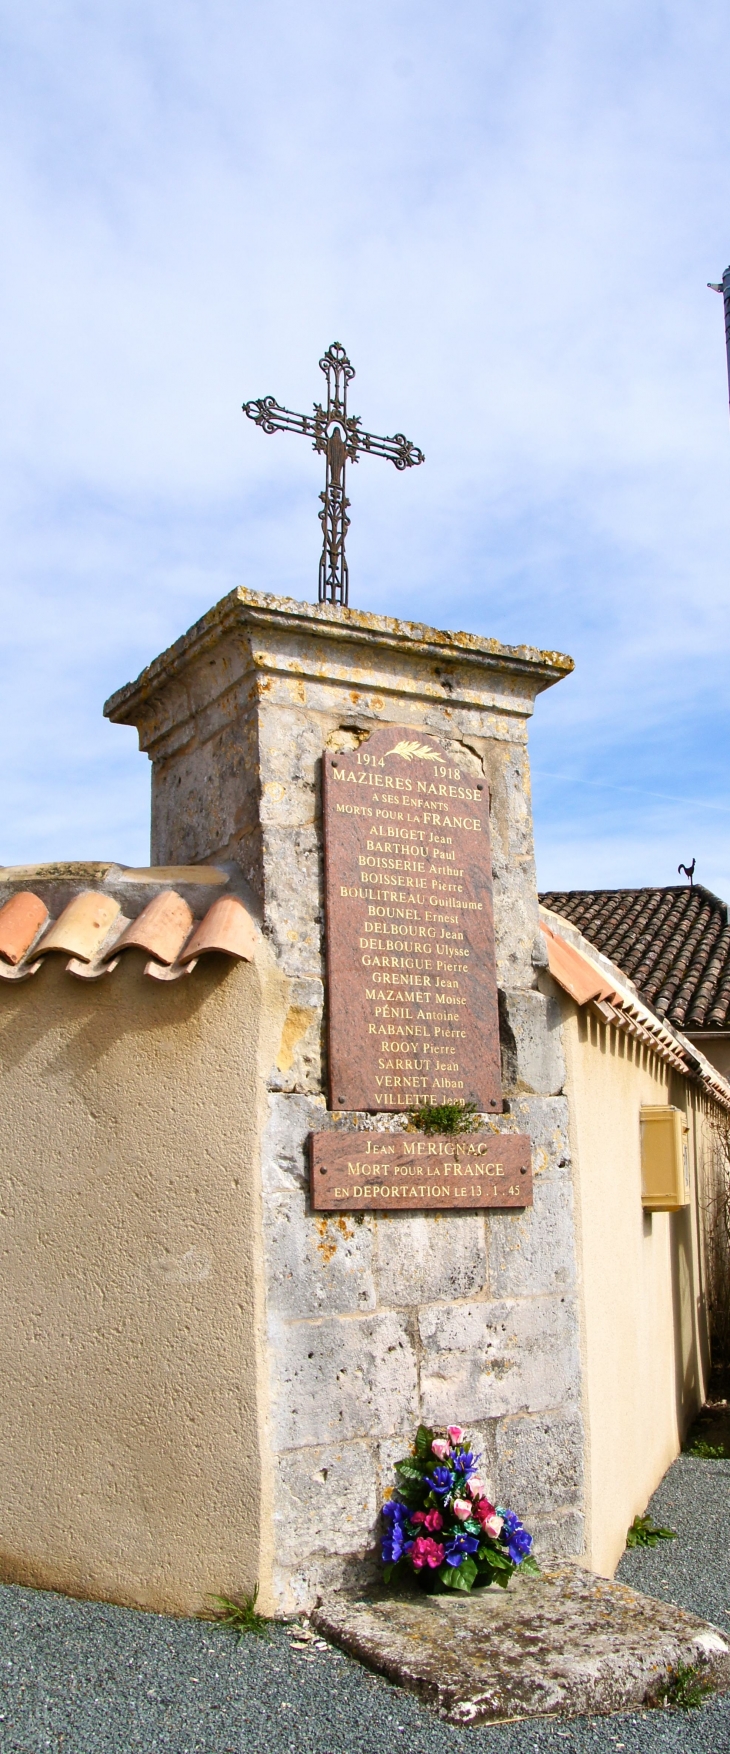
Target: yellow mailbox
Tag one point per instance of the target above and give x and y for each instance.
(664, 1159)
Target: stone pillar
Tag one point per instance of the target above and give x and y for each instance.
(378, 1320)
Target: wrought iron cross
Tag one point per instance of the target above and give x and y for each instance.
(338, 435)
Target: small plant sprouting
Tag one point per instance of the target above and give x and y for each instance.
(685, 1688)
(645, 1533)
(445, 1117)
(239, 1614)
(708, 1452)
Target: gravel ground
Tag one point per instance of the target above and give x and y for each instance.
(84, 1678)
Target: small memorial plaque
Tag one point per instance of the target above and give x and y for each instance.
(412, 984)
(413, 1172)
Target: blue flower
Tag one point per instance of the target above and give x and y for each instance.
(458, 1547)
(466, 1463)
(395, 1543)
(440, 1481)
(519, 1542)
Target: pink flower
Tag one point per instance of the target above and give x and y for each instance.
(456, 1433)
(440, 1448)
(475, 1487)
(461, 1508)
(426, 1552)
(486, 1514)
(431, 1519)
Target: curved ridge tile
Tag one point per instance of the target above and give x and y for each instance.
(21, 919)
(161, 929)
(157, 971)
(228, 927)
(82, 928)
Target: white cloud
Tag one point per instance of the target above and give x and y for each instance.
(508, 213)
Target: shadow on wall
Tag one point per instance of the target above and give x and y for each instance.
(687, 1317)
(81, 1024)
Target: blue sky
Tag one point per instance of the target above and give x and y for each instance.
(507, 211)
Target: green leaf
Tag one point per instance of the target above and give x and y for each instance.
(499, 1561)
(503, 1577)
(410, 1492)
(472, 1528)
(409, 1470)
(240, 1615)
(458, 1577)
(645, 1533)
(424, 1439)
(388, 1571)
(530, 1565)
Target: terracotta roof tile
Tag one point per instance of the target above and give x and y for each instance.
(573, 971)
(21, 919)
(611, 998)
(82, 928)
(673, 943)
(161, 929)
(93, 927)
(227, 927)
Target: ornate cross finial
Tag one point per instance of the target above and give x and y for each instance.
(338, 435)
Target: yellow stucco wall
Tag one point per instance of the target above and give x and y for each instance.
(643, 1321)
(131, 1364)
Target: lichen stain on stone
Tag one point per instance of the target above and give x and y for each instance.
(296, 1024)
(328, 1244)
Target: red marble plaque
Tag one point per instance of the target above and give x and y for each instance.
(411, 977)
(415, 1172)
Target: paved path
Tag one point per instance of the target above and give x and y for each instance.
(83, 1678)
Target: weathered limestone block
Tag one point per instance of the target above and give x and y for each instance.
(542, 1455)
(486, 1360)
(547, 1122)
(564, 1643)
(316, 1264)
(559, 1534)
(506, 765)
(532, 1052)
(532, 1252)
(336, 1379)
(319, 1268)
(430, 1257)
(326, 1501)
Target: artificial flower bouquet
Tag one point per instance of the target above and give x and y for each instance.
(443, 1526)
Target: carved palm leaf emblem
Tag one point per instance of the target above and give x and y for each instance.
(420, 751)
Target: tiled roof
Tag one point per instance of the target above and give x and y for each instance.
(591, 980)
(674, 944)
(93, 914)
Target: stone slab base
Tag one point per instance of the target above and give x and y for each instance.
(566, 1643)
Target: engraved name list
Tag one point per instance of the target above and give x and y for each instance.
(412, 987)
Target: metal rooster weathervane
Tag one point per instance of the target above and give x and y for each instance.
(338, 435)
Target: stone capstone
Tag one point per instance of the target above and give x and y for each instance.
(563, 1643)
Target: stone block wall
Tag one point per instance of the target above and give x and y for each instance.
(378, 1321)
